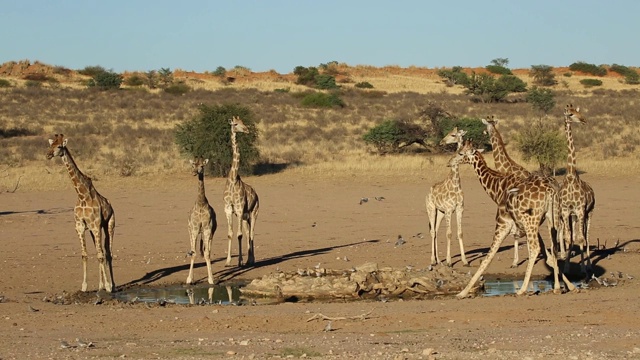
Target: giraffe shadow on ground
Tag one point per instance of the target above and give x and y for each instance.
(233, 272)
(39, 211)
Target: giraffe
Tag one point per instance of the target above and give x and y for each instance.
(445, 198)
(92, 212)
(576, 198)
(523, 204)
(202, 220)
(240, 199)
(505, 164)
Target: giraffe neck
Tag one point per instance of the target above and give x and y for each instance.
(500, 157)
(454, 176)
(571, 157)
(491, 180)
(202, 198)
(235, 162)
(81, 182)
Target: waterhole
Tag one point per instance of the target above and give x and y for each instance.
(505, 287)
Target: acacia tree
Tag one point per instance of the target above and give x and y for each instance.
(543, 75)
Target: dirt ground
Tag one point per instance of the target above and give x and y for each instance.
(40, 261)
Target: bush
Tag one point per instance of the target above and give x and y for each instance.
(511, 83)
(220, 71)
(325, 82)
(591, 82)
(544, 144)
(107, 80)
(166, 77)
(177, 89)
(541, 99)
(630, 76)
(306, 76)
(588, 68)
(497, 69)
(392, 135)
(36, 77)
(33, 83)
(543, 75)
(92, 70)
(4, 83)
(454, 76)
(490, 89)
(320, 100)
(209, 135)
(364, 85)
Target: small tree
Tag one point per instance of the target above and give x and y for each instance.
(541, 99)
(544, 144)
(106, 80)
(209, 135)
(166, 77)
(220, 71)
(151, 78)
(543, 75)
(392, 135)
(454, 76)
(504, 62)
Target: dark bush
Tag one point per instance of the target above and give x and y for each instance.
(177, 89)
(631, 76)
(306, 76)
(364, 85)
(325, 82)
(393, 135)
(134, 80)
(588, 68)
(220, 71)
(320, 100)
(591, 82)
(4, 83)
(499, 70)
(107, 80)
(454, 76)
(543, 75)
(92, 70)
(209, 135)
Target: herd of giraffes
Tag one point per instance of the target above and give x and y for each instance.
(525, 200)
(94, 212)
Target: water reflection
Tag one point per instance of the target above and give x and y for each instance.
(182, 294)
(505, 287)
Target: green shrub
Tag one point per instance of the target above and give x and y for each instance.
(543, 143)
(591, 82)
(631, 76)
(4, 83)
(209, 135)
(588, 68)
(499, 70)
(543, 75)
(364, 85)
(511, 83)
(220, 71)
(325, 82)
(306, 76)
(567, 74)
(541, 99)
(33, 83)
(282, 90)
(490, 89)
(322, 100)
(177, 88)
(454, 76)
(392, 135)
(107, 80)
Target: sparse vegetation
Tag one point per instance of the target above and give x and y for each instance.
(4, 83)
(630, 76)
(364, 85)
(322, 100)
(591, 82)
(543, 143)
(179, 88)
(541, 99)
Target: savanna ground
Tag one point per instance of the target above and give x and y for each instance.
(317, 170)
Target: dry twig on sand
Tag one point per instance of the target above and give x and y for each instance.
(324, 317)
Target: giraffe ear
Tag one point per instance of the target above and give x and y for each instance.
(480, 150)
(578, 109)
(462, 132)
(50, 141)
(64, 142)
(205, 161)
(484, 121)
(191, 162)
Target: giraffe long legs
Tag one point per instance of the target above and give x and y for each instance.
(207, 238)
(108, 247)
(463, 257)
(80, 228)
(503, 228)
(228, 211)
(251, 257)
(193, 237)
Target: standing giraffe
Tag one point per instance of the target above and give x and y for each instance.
(504, 164)
(576, 198)
(93, 212)
(240, 200)
(523, 204)
(445, 198)
(202, 220)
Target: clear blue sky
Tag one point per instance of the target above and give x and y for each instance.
(262, 35)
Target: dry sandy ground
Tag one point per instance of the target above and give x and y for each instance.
(40, 259)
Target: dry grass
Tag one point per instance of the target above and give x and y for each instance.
(129, 134)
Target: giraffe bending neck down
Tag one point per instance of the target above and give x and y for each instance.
(445, 198)
(92, 212)
(240, 200)
(504, 164)
(577, 199)
(522, 207)
(202, 221)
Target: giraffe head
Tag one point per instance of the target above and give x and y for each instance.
(237, 125)
(56, 146)
(197, 165)
(469, 153)
(572, 114)
(453, 137)
(490, 122)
